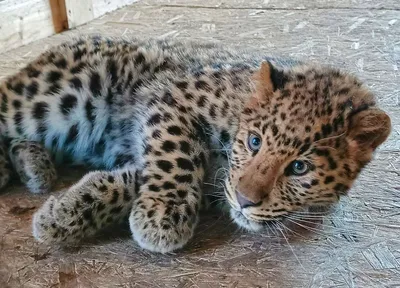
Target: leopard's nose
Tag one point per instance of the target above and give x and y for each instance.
(244, 202)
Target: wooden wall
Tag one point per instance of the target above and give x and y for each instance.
(24, 21)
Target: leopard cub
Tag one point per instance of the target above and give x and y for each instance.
(157, 121)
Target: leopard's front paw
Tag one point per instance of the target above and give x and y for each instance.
(161, 225)
(45, 227)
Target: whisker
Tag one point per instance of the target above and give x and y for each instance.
(290, 246)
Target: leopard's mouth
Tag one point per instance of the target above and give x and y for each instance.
(251, 224)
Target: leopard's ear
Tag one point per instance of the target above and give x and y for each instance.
(268, 79)
(367, 130)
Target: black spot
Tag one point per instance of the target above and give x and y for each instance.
(125, 177)
(202, 85)
(176, 217)
(164, 165)
(168, 185)
(182, 85)
(304, 148)
(72, 134)
(150, 213)
(167, 117)
(113, 71)
(89, 108)
(247, 111)
(53, 89)
(274, 130)
(314, 182)
(202, 101)
(139, 59)
(329, 179)
(53, 76)
(174, 130)
(17, 104)
(182, 193)
(100, 147)
(344, 91)
(213, 112)
(306, 185)
(135, 86)
(18, 88)
(185, 164)
(156, 134)
(168, 146)
(188, 96)
(111, 179)
(184, 147)
(76, 83)
(186, 178)
(87, 198)
(326, 130)
(225, 137)
(4, 103)
(68, 102)
(171, 195)
(39, 110)
(87, 215)
(154, 188)
(32, 89)
(183, 120)
(95, 84)
(169, 99)
(127, 195)
(62, 63)
(78, 68)
(114, 198)
(332, 163)
(154, 119)
(78, 53)
(122, 159)
(32, 72)
(321, 152)
(341, 188)
(100, 207)
(110, 97)
(317, 136)
(18, 117)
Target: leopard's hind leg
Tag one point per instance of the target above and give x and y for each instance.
(33, 164)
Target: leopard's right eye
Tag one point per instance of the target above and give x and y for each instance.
(254, 142)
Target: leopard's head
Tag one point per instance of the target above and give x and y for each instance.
(303, 138)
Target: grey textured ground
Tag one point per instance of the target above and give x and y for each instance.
(357, 246)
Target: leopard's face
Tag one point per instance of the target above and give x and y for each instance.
(303, 138)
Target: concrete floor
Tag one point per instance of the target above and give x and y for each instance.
(358, 245)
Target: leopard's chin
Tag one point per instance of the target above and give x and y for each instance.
(249, 224)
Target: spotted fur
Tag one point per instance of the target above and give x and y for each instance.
(163, 122)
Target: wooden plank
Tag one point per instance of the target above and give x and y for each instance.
(101, 7)
(59, 15)
(22, 22)
(279, 4)
(81, 12)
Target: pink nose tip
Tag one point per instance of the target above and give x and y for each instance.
(244, 202)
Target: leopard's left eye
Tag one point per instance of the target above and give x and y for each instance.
(254, 142)
(299, 167)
